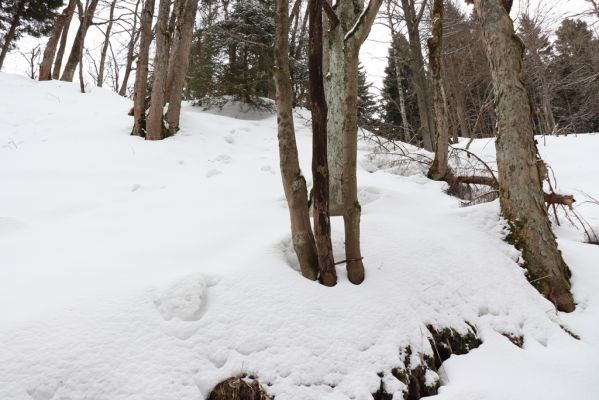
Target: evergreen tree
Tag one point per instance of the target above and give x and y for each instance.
(390, 107)
(366, 104)
(25, 17)
(576, 98)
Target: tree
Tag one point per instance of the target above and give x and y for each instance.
(349, 26)
(107, 33)
(141, 75)
(439, 168)
(366, 102)
(155, 129)
(86, 19)
(412, 20)
(320, 169)
(31, 17)
(294, 182)
(575, 99)
(50, 50)
(180, 61)
(520, 169)
(400, 109)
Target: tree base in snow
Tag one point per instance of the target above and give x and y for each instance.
(239, 388)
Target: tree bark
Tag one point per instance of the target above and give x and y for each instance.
(45, 73)
(100, 80)
(11, 33)
(320, 169)
(439, 167)
(141, 75)
(520, 182)
(155, 123)
(77, 49)
(420, 82)
(294, 183)
(180, 58)
(63, 44)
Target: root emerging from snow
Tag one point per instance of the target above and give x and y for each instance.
(421, 378)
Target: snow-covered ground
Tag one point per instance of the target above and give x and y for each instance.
(154, 270)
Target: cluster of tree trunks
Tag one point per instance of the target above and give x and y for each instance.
(174, 33)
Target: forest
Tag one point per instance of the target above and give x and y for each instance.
(222, 199)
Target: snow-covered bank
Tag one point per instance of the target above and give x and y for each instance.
(154, 270)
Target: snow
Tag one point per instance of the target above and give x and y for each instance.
(154, 270)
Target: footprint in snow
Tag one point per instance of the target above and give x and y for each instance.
(223, 159)
(267, 168)
(183, 300)
(213, 172)
(229, 139)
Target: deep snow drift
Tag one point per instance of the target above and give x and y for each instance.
(154, 270)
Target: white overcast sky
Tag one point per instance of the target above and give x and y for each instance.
(374, 51)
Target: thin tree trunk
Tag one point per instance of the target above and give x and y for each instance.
(405, 135)
(45, 73)
(63, 44)
(141, 75)
(320, 169)
(100, 80)
(419, 78)
(10, 35)
(520, 178)
(155, 123)
(294, 183)
(180, 59)
(130, 51)
(77, 49)
(439, 167)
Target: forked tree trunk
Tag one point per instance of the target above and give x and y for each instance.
(141, 75)
(294, 183)
(63, 45)
(50, 50)
(155, 123)
(100, 80)
(439, 167)
(520, 183)
(344, 40)
(180, 57)
(77, 49)
(320, 169)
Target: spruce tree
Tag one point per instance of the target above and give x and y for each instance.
(25, 17)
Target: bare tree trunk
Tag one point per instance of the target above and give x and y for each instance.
(320, 169)
(77, 49)
(419, 79)
(439, 167)
(294, 183)
(520, 181)
(141, 75)
(130, 51)
(63, 44)
(50, 50)
(10, 35)
(155, 123)
(174, 27)
(100, 80)
(405, 136)
(180, 58)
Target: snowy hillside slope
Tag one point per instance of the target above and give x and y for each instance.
(154, 270)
